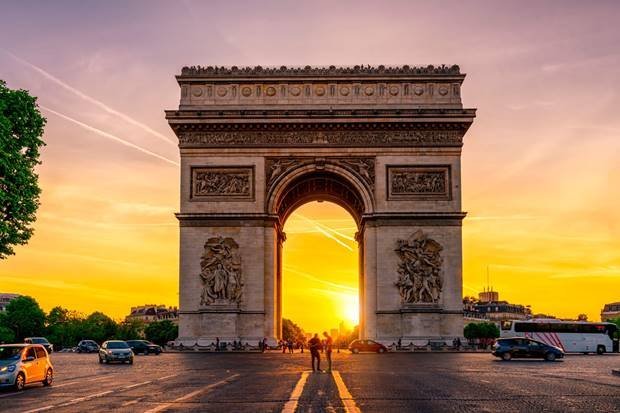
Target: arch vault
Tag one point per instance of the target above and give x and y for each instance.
(256, 143)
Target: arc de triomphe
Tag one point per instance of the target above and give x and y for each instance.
(256, 143)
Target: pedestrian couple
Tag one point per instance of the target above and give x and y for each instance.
(315, 345)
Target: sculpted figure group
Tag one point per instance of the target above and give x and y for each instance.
(419, 272)
(221, 272)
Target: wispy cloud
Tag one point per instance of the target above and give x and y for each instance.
(92, 100)
(110, 136)
(319, 280)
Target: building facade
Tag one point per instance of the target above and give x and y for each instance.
(383, 143)
(610, 311)
(488, 307)
(152, 312)
(5, 299)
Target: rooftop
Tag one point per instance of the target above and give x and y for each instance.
(367, 70)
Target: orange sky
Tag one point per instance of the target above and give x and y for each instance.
(540, 164)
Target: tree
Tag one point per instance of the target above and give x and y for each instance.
(24, 317)
(161, 332)
(484, 332)
(616, 321)
(130, 330)
(582, 317)
(21, 127)
(291, 331)
(99, 327)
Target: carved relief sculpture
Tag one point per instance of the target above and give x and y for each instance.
(222, 183)
(419, 182)
(420, 269)
(363, 167)
(220, 264)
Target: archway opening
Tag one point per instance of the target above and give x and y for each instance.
(320, 270)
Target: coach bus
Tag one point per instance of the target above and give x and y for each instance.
(570, 336)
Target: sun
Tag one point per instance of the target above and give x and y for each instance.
(350, 308)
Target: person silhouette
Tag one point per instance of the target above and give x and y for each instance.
(329, 344)
(315, 344)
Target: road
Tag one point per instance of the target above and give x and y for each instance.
(274, 382)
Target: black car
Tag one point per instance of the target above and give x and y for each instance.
(144, 347)
(523, 347)
(87, 346)
(40, 340)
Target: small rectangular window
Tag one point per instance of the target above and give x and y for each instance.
(41, 353)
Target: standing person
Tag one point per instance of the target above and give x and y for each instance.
(314, 345)
(301, 346)
(290, 346)
(329, 344)
(217, 344)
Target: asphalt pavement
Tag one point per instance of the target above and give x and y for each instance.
(275, 382)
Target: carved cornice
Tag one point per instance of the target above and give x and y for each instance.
(259, 71)
(345, 138)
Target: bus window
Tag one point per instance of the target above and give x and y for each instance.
(506, 325)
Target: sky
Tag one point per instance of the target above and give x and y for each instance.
(541, 163)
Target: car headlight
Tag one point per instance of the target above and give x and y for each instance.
(109, 351)
(7, 369)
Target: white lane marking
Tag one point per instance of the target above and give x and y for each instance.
(86, 398)
(345, 396)
(192, 394)
(130, 402)
(168, 376)
(291, 404)
(131, 386)
(11, 394)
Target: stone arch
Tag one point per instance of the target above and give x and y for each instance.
(317, 181)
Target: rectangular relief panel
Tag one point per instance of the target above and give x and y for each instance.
(419, 182)
(222, 183)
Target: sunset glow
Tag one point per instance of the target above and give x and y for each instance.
(540, 165)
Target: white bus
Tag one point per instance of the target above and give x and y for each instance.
(570, 336)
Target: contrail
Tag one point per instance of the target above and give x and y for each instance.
(313, 222)
(92, 100)
(317, 279)
(109, 136)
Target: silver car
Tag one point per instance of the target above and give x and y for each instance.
(115, 350)
(22, 364)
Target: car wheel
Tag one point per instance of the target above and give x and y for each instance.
(550, 356)
(355, 351)
(20, 382)
(49, 378)
(600, 350)
(381, 350)
(79, 351)
(506, 356)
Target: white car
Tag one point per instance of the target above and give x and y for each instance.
(22, 364)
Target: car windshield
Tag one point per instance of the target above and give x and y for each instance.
(10, 352)
(117, 344)
(40, 340)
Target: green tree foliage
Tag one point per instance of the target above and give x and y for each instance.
(616, 321)
(130, 330)
(24, 317)
(99, 327)
(21, 127)
(161, 332)
(481, 330)
(6, 334)
(291, 331)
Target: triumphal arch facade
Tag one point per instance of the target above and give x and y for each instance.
(383, 142)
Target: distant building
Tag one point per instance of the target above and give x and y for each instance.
(5, 299)
(152, 312)
(610, 311)
(488, 295)
(488, 307)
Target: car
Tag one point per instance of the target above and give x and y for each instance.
(40, 340)
(523, 347)
(87, 346)
(22, 364)
(144, 347)
(358, 346)
(115, 350)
